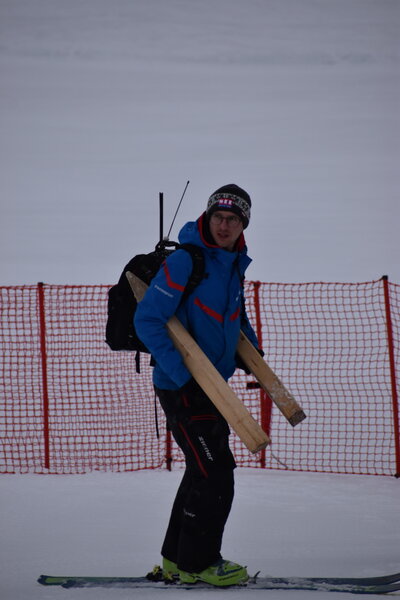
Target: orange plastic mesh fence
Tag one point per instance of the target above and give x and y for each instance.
(71, 405)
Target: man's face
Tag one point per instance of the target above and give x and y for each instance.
(225, 227)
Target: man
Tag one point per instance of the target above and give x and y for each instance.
(214, 314)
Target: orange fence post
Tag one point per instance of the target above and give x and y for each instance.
(395, 399)
(265, 400)
(45, 396)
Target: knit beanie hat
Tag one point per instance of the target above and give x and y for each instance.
(233, 198)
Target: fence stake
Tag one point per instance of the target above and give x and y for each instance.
(395, 400)
(265, 400)
(45, 398)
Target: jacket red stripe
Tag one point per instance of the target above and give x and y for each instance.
(209, 310)
(235, 315)
(172, 284)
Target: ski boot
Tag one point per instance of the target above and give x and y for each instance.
(221, 574)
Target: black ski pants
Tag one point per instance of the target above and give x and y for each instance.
(204, 498)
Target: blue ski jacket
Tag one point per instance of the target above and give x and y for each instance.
(213, 313)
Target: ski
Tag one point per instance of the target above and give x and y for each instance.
(359, 585)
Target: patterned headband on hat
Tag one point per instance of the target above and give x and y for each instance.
(226, 201)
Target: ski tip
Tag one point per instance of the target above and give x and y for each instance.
(43, 579)
(51, 580)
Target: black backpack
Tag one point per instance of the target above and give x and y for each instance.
(120, 330)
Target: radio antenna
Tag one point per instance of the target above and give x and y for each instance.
(161, 205)
(176, 212)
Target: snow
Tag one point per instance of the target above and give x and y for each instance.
(281, 523)
(104, 105)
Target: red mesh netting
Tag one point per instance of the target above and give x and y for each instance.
(70, 405)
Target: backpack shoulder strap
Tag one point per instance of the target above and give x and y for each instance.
(198, 271)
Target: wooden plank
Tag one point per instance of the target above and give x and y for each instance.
(210, 380)
(270, 382)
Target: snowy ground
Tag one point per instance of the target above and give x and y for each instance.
(281, 523)
(105, 104)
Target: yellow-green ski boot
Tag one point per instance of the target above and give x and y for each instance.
(221, 574)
